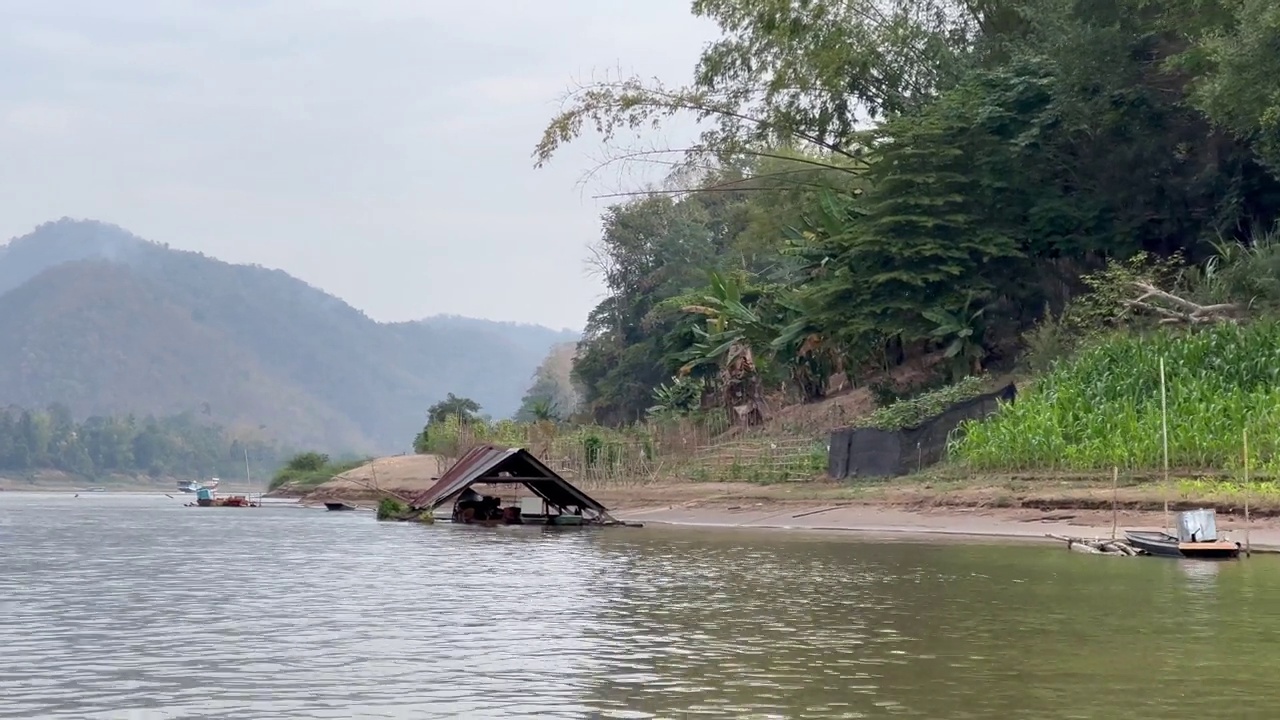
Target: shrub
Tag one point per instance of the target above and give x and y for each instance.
(912, 412)
(390, 509)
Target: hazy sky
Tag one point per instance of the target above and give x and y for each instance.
(379, 149)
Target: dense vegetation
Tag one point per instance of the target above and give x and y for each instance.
(177, 446)
(309, 469)
(106, 323)
(910, 412)
(881, 184)
(1098, 403)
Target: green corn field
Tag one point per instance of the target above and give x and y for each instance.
(1102, 408)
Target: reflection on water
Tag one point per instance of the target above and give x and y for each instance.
(135, 607)
(1201, 576)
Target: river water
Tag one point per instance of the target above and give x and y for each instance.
(131, 606)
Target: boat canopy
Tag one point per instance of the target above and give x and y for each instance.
(495, 465)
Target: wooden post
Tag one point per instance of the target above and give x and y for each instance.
(1164, 432)
(1115, 481)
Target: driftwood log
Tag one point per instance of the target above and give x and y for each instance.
(1096, 547)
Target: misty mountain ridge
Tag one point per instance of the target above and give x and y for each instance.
(105, 322)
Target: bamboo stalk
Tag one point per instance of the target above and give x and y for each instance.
(1164, 431)
(1115, 481)
(1247, 521)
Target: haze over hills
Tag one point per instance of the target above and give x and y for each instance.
(98, 319)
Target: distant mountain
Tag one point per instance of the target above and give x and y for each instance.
(105, 322)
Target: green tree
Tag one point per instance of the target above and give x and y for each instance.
(453, 406)
(1014, 148)
(307, 462)
(1234, 59)
(652, 249)
(786, 73)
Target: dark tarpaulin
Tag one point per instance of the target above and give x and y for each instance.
(869, 452)
(495, 465)
(838, 453)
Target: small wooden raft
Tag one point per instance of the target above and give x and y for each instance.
(1097, 547)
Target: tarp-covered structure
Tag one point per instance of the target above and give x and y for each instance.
(870, 452)
(493, 465)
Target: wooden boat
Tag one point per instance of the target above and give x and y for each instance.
(1162, 544)
(338, 506)
(1197, 538)
(205, 498)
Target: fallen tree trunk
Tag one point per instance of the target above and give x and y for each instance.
(1180, 310)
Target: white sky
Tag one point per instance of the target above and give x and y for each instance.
(378, 149)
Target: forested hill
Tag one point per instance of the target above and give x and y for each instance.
(106, 323)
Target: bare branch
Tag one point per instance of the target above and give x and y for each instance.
(1183, 310)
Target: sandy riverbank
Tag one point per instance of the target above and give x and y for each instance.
(890, 511)
(728, 505)
(1014, 507)
(1019, 511)
(1024, 525)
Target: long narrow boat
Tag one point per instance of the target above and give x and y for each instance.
(338, 506)
(1165, 545)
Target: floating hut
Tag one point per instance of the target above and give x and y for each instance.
(559, 502)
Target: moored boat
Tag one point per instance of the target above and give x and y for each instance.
(1197, 538)
(338, 506)
(205, 497)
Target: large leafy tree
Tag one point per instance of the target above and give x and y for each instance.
(462, 408)
(794, 72)
(968, 163)
(1234, 59)
(652, 249)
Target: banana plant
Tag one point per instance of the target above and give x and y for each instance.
(962, 333)
(731, 333)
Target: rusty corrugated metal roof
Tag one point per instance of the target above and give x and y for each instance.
(460, 469)
(487, 463)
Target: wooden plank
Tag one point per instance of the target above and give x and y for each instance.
(1218, 545)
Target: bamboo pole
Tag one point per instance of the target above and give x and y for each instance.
(1115, 481)
(1247, 521)
(1164, 431)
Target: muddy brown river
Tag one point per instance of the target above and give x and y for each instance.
(132, 606)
